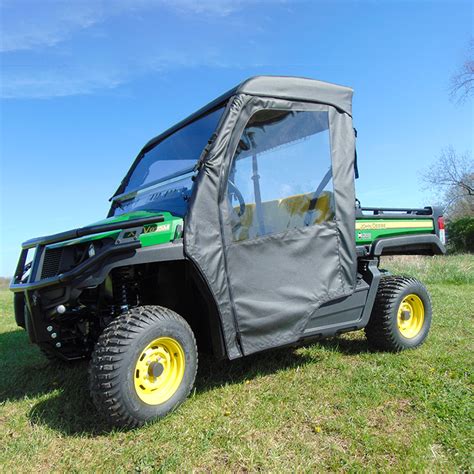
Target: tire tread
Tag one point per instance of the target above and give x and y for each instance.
(108, 354)
(379, 329)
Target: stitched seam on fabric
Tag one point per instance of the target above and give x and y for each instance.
(339, 259)
(332, 118)
(244, 101)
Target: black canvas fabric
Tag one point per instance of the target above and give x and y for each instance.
(267, 288)
(299, 89)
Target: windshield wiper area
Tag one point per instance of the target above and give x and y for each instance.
(159, 183)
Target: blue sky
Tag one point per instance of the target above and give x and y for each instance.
(84, 84)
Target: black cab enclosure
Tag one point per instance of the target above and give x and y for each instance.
(237, 229)
(271, 221)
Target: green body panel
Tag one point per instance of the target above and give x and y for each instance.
(368, 230)
(159, 233)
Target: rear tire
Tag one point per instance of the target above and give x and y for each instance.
(401, 316)
(143, 366)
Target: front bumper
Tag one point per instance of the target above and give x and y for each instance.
(79, 272)
(127, 240)
(37, 298)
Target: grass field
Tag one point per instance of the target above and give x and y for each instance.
(332, 405)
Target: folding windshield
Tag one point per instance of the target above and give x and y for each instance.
(162, 178)
(175, 155)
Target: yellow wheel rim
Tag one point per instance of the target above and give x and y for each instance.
(411, 316)
(159, 370)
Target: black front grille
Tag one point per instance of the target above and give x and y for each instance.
(51, 262)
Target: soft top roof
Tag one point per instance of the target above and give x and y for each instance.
(283, 87)
(280, 87)
(298, 88)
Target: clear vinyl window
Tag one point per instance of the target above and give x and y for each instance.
(281, 175)
(176, 154)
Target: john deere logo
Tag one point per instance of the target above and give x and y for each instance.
(371, 225)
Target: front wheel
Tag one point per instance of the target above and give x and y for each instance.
(401, 316)
(143, 366)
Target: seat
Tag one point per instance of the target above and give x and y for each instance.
(282, 214)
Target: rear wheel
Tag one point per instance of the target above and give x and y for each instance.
(143, 366)
(401, 316)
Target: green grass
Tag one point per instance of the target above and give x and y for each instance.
(4, 283)
(456, 269)
(332, 406)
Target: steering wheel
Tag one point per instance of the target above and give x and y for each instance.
(232, 189)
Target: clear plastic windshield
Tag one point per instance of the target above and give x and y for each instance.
(161, 180)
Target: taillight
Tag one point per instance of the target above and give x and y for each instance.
(442, 232)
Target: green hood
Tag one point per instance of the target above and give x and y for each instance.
(154, 234)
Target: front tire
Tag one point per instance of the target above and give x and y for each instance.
(143, 366)
(401, 316)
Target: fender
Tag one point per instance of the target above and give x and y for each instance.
(425, 244)
(172, 251)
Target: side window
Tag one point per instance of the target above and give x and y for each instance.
(281, 176)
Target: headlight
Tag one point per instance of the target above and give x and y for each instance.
(91, 250)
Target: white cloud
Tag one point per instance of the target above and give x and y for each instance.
(32, 24)
(46, 84)
(45, 24)
(209, 7)
(44, 56)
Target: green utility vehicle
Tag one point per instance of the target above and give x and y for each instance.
(235, 231)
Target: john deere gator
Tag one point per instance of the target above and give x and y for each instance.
(235, 231)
